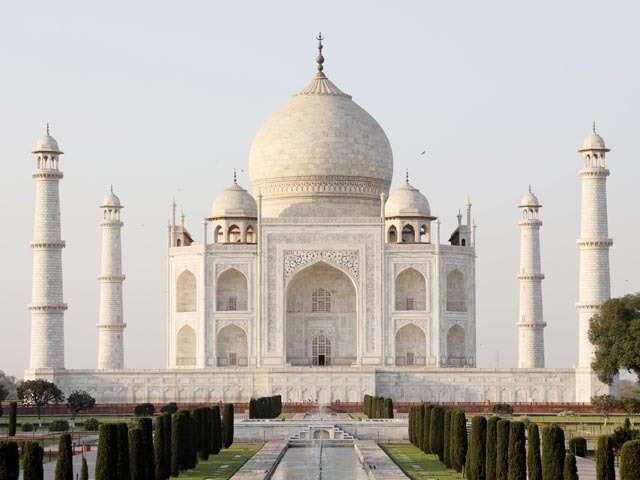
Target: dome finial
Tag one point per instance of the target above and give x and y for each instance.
(111, 188)
(47, 128)
(530, 189)
(235, 176)
(406, 176)
(320, 58)
(594, 126)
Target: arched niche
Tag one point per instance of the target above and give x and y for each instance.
(408, 234)
(232, 347)
(411, 346)
(410, 290)
(456, 346)
(456, 294)
(186, 347)
(231, 291)
(186, 292)
(321, 300)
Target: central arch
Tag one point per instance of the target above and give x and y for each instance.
(321, 305)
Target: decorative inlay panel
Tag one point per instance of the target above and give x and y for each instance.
(294, 260)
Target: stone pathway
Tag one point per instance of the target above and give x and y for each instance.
(378, 463)
(263, 463)
(587, 469)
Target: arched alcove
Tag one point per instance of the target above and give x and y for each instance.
(411, 290)
(392, 234)
(321, 301)
(408, 234)
(231, 291)
(235, 236)
(186, 292)
(456, 294)
(456, 346)
(411, 346)
(232, 347)
(186, 347)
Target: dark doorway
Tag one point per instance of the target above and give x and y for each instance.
(321, 360)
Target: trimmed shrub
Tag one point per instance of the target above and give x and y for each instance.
(123, 458)
(436, 432)
(490, 452)
(64, 462)
(460, 441)
(227, 425)
(502, 449)
(162, 453)
(59, 426)
(32, 456)
(9, 461)
(216, 430)
(502, 409)
(146, 425)
(420, 423)
(13, 415)
(452, 436)
(570, 468)
(27, 427)
(91, 424)
(144, 410)
(411, 430)
(171, 407)
(136, 454)
(476, 463)
(630, 461)
(605, 468)
(180, 430)
(84, 470)
(631, 405)
(388, 408)
(517, 452)
(553, 452)
(446, 439)
(107, 456)
(193, 443)
(205, 432)
(534, 462)
(578, 446)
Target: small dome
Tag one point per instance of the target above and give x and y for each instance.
(111, 200)
(529, 200)
(407, 201)
(234, 202)
(47, 143)
(593, 141)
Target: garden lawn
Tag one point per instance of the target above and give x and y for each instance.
(223, 465)
(417, 464)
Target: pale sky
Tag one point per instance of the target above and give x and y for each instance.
(163, 99)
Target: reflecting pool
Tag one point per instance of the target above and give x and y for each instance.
(320, 462)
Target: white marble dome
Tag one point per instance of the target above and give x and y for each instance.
(111, 200)
(407, 201)
(234, 202)
(529, 200)
(47, 143)
(593, 141)
(319, 155)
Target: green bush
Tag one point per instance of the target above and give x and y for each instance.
(631, 405)
(517, 452)
(553, 452)
(476, 463)
(137, 464)
(9, 461)
(59, 426)
(123, 457)
(13, 415)
(605, 468)
(171, 407)
(491, 445)
(107, 456)
(180, 441)
(460, 441)
(216, 430)
(91, 424)
(446, 439)
(64, 462)
(144, 410)
(388, 408)
(27, 427)
(436, 432)
(578, 446)
(534, 461)
(227, 425)
(630, 461)
(411, 430)
(32, 457)
(146, 425)
(570, 468)
(193, 444)
(502, 409)
(162, 447)
(502, 449)
(420, 423)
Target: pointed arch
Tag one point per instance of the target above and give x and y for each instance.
(408, 234)
(186, 292)
(456, 346)
(186, 347)
(456, 295)
(235, 235)
(410, 290)
(250, 235)
(392, 234)
(231, 291)
(232, 347)
(411, 346)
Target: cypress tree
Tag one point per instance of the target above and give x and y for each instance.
(193, 442)
(216, 430)
(436, 432)
(167, 444)
(84, 470)
(227, 425)
(502, 450)
(206, 432)
(490, 454)
(426, 432)
(605, 468)
(420, 426)
(570, 469)
(476, 462)
(553, 453)
(13, 416)
(146, 425)
(517, 452)
(410, 424)
(630, 460)
(137, 453)
(107, 452)
(534, 462)
(32, 468)
(453, 437)
(196, 416)
(446, 439)
(64, 462)
(123, 470)
(179, 432)
(388, 408)
(159, 448)
(9, 460)
(461, 442)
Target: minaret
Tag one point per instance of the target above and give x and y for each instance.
(111, 325)
(47, 305)
(530, 320)
(594, 241)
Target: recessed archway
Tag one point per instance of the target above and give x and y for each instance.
(456, 346)
(186, 347)
(321, 303)
(232, 350)
(411, 346)
(231, 291)
(411, 290)
(186, 292)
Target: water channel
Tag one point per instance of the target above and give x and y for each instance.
(320, 462)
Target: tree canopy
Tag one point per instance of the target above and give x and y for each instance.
(79, 400)
(615, 334)
(39, 393)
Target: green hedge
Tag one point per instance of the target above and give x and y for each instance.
(460, 441)
(227, 425)
(64, 461)
(446, 439)
(13, 415)
(180, 431)
(605, 468)
(578, 446)
(630, 460)
(476, 463)
(137, 454)
(146, 425)
(377, 407)
(502, 450)
(517, 452)
(123, 459)
(265, 407)
(490, 451)
(32, 457)
(107, 452)
(216, 430)
(59, 426)
(9, 461)
(553, 453)
(534, 461)
(570, 468)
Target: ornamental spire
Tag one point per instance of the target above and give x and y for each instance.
(320, 58)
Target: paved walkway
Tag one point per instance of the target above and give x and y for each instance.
(587, 469)
(263, 463)
(377, 463)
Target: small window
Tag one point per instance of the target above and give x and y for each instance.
(232, 303)
(408, 234)
(411, 304)
(234, 234)
(321, 300)
(463, 242)
(392, 236)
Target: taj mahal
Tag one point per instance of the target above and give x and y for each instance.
(317, 282)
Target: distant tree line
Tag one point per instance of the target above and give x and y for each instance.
(377, 407)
